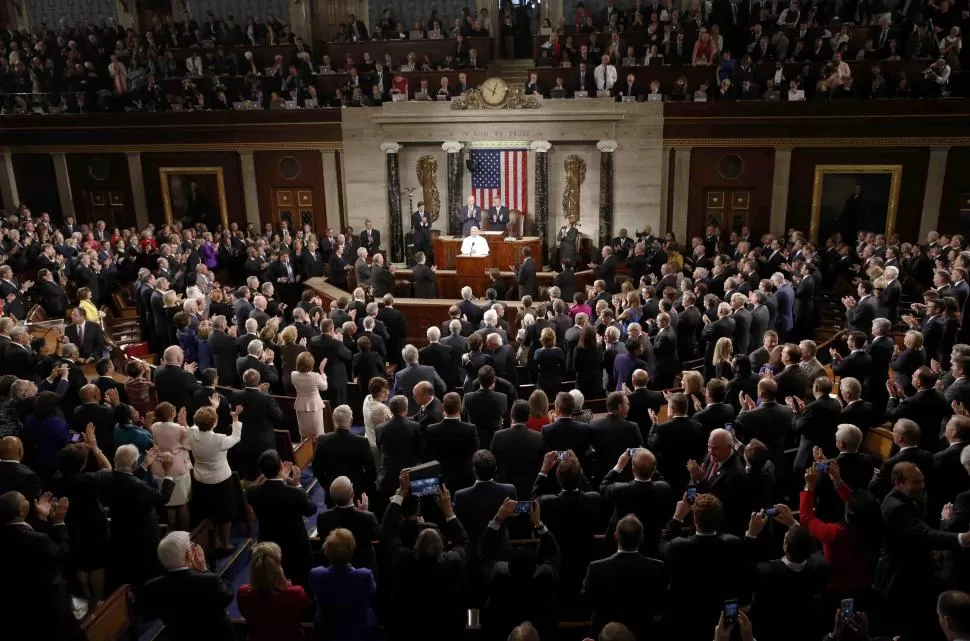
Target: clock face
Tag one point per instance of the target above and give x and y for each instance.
(494, 91)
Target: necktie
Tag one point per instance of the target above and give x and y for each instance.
(80, 334)
(712, 472)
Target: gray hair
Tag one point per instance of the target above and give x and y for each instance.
(18, 391)
(410, 354)
(251, 325)
(466, 293)
(343, 417)
(578, 397)
(361, 252)
(490, 317)
(850, 387)
(172, 355)
(965, 457)
(173, 549)
(434, 334)
(255, 347)
(220, 322)
(371, 308)
(369, 323)
(883, 325)
(126, 458)
(70, 351)
(454, 327)
(850, 436)
(891, 272)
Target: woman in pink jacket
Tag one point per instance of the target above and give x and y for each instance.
(173, 438)
(309, 404)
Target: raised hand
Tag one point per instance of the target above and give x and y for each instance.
(182, 417)
(43, 505)
(214, 400)
(236, 412)
(364, 503)
(112, 397)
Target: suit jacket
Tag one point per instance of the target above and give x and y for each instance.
(610, 436)
(103, 417)
(858, 365)
(627, 588)
(928, 408)
(526, 278)
(470, 218)
(17, 477)
(486, 409)
(760, 318)
(405, 380)
(856, 469)
(518, 452)
(223, 349)
(881, 484)
(280, 509)
(715, 416)
(53, 298)
(651, 501)
(781, 593)
(267, 371)
(816, 427)
(362, 524)
(785, 296)
(771, 424)
(566, 282)
(721, 328)
(382, 281)
(858, 413)
(730, 485)
(442, 359)
(606, 271)
(642, 401)
(452, 443)
(568, 434)
(859, 317)
(687, 557)
(20, 361)
(476, 505)
(343, 453)
(175, 385)
(674, 443)
(93, 345)
(793, 381)
(400, 446)
(338, 362)
(373, 244)
(424, 282)
(742, 330)
(261, 414)
(191, 604)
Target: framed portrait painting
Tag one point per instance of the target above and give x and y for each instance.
(852, 198)
(193, 195)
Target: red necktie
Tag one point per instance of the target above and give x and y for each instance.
(712, 472)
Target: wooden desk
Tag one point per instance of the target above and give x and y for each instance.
(501, 252)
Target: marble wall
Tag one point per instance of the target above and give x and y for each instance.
(571, 127)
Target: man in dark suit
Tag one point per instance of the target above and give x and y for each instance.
(855, 471)
(173, 382)
(642, 402)
(565, 433)
(354, 517)
(486, 408)
(760, 321)
(857, 364)
(261, 414)
(770, 422)
(647, 497)
(723, 327)
(12, 293)
(397, 329)
(565, 280)
(675, 442)
(53, 298)
(134, 499)
(370, 238)
(441, 357)
(329, 345)
(815, 424)
(742, 323)
(717, 413)
(722, 474)
(399, 444)
(86, 335)
(425, 281)
(188, 598)
(92, 411)
(525, 275)
(855, 411)
(223, 349)
(606, 269)
(452, 443)
(430, 410)
(407, 378)
(259, 359)
(281, 505)
(627, 587)
(38, 561)
(859, 315)
(905, 572)
(343, 453)
(14, 475)
(470, 216)
(382, 278)
(498, 215)
(950, 478)
(694, 555)
(926, 407)
(421, 231)
(19, 359)
(906, 438)
(518, 451)
(476, 505)
(613, 434)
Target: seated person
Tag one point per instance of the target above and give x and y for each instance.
(444, 92)
(474, 245)
(559, 91)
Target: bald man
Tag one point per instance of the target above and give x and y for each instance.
(471, 216)
(722, 474)
(102, 415)
(354, 516)
(647, 499)
(14, 475)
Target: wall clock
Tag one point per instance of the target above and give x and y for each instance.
(495, 92)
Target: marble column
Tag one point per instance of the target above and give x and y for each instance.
(779, 191)
(933, 195)
(250, 192)
(540, 150)
(63, 178)
(681, 194)
(453, 148)
(606, 149)
(8, 182)
(664, 191)
(137, 179)
(396, 230)
(331, 187)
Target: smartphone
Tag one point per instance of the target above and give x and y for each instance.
(633, 451)
(561, 454)
(729, 427)
(76, 437)
(771, 512)
(847, 609)
(523, 507)
(822, 466)
(691, 494)
(730, 612)
(425, 487)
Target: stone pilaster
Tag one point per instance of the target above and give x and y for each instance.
(780, 181)
(933, 195)
(606, 149)
(331, 187)
(540, 150)
(250, 192)
(453, 148)
(390, 150)
(139, 200)
(63, 177)
(8, 182)
(681, 194)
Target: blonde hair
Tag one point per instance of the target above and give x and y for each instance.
(339, 546)
(913, 339)
(723, 350)
(170, 298)
(692, 381)
(304, 362)
(288, 335)
(548, 337)
(266, 567)
(205, 329)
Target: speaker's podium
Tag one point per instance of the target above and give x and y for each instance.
(502, 251)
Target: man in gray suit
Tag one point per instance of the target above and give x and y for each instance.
(412, 374)
(362, 269)
(525, 275)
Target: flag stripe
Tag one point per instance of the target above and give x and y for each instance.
(500, 172)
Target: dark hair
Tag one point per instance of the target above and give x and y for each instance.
(629, 532)
(926, 376)
(209, 376)
(486, 376)
(101, 367)
(520, 411)
(955, 606)
(270, 464)
(484, 464)
(716, 390)
(451, 403)
(45, 405)
(799, 543)
(614, 401)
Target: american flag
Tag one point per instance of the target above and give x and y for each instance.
(499, 171)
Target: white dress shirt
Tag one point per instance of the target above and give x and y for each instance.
(209, 449)
(605, 77)
(474, 246)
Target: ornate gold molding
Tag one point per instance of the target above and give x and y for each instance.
(175, 147)
(895, 172)
(165, 173)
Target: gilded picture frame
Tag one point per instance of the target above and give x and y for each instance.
(833, 184)
(169, 175)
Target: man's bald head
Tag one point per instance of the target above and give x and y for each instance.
(342, 490)
(11, 448)
(720, 444)
(644, 464)
(90, 393)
